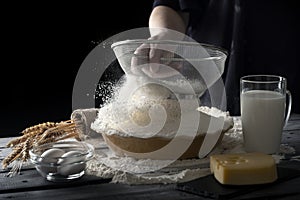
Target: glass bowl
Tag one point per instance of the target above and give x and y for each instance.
(61, 161)
(185, 63)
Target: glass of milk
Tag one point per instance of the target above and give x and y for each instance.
(263, 111)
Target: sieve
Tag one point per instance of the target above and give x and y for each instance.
(186, 67)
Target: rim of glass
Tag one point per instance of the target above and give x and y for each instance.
(87, 148)
(247, 78)
(223, 52)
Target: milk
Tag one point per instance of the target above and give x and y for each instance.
(262, 120)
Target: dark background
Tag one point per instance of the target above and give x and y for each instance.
(43, 46)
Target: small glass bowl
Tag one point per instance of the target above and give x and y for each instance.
(61, 161)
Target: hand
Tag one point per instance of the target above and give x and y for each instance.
(155, 59)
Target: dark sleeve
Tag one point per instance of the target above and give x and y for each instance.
(170, 3)
(183, 5)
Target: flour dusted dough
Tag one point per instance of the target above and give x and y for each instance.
(152, 101)
(152, 91)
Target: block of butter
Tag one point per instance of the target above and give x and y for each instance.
(243, 168)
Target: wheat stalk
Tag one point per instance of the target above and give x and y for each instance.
(37, 135)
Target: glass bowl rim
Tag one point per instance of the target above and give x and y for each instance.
(223, 52)
(87, 153)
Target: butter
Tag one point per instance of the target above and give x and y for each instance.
(244, 168)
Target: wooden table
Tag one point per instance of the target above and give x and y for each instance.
(30, 185)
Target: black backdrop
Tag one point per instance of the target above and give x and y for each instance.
(43, 46)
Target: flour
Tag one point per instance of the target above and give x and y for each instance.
(184, 86)
(179, 171)
(145, 109)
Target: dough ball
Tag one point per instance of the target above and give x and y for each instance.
(152, 91)
(140, 117)
(140, 114)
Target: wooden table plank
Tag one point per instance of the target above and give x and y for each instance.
(31, 185)
(294, 116)
(105, 191)
(31, 180)
(4, 141)
(123, 191)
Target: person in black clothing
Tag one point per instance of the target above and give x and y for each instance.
(261, 37)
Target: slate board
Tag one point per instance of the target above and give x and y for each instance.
(209, 187)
